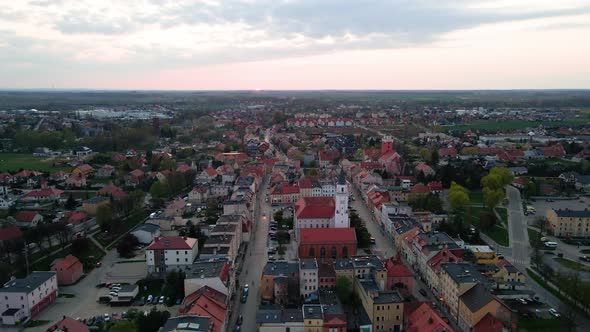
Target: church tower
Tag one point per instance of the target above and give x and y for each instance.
(341, 219)
(387, 145)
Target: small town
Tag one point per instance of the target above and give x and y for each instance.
(294, 166)
(261, 218)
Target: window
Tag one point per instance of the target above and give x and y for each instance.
(177, 252)
(323, 252)
(334, 254)
(345, 252)
(177, 260)
(311, 252)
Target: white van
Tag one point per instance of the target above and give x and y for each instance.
(550, 244)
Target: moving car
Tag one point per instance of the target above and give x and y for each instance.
(240, 320)
(554, 313)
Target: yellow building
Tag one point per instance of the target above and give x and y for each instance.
(91, 205)
(484, 254)
(455, 279)
(569, 222)
(313, 318)
(509, 274)
(385, 309)
(476, 303)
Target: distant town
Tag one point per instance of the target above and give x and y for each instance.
(271, 211)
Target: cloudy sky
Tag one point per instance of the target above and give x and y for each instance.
(290, 44)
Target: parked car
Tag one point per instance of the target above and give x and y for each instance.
(240, 320)
(373, 241)
(522, 301)
(161, 301)
(423, 292)
(554, 313)
(107, 317)
(585, 258)
(142, 301)
(150, 298)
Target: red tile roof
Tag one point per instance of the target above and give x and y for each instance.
(326, 235)
(315, 207)
(488, 323)
(10, 233)
(112, 190)
(211, 171)
(65, 263)
(284, 189)
(70, 325)
(448, 152)
(44, 193)
(172, 243)
(75, 217)
(425, 319)
(25, 216)
(395, 268)
(329, 155)
(208, 303)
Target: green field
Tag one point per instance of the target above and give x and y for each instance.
(498, 233)
(509, 125)
(503, 213)
(539, 324)
(15, 161)
(572, 264)
(534, 235)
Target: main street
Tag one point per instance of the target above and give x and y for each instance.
(254, 261)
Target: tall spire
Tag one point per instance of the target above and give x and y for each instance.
(342, 177)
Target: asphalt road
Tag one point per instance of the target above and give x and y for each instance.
(253, 264)
(519, 237)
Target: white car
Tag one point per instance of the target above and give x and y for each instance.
(554, 313)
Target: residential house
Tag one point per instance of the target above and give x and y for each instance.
(308, 277)
(569, 223)
(190, 323)
(455, 280)
(43, 195)
(134, 178)
(171, 253)
(91, 205)
(69, 270)
(280, 279)
(76, 180)
(476, 303)
(105, 172)
(112, 191)
(83, 169)
(274, 319)
(212, 273)
(421, 317)
(204, 303)
(68, 324)
(27, 219)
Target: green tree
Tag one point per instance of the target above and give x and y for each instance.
(458, 197)
(126, 246)
(344, 289)
(153, 321)
(104, 216)
(493, 185)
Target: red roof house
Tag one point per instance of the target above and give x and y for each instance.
(315, 208)
(10, 233)
(69, 270)
(112, 191)
(28, 218)
(421, 317)
(68, 324)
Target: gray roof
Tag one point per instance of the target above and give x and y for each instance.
(343, 264)
(268, 316)
(388, 297)
(567, 213)
(292, 315)
(28, 283)
(219, 239)
(476, 297)
(281, 268)
(148, 227)
(187, 323)
(214, 251)
(230, 218)
(207, 269)
(224, 228)
(128, 288)
(308, 264)
(462, 272)
(312, 311)
(435, 238)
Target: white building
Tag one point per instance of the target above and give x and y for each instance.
(146, 233)
(171, 253)
(23, 299)
(308, 277)
(341, 218)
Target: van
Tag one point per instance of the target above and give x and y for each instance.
(550, 244)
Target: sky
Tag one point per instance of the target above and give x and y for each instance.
(295, 45)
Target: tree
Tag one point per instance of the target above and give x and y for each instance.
(104, 216)
(137, 198)
(344, 289)
(493, 185)
(458, 197)
(71, 203)
(160, 189)
(126, 246)
(153, 321)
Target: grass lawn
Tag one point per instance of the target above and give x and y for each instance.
(123, 326)
(15, 161)
(106, 239)
(572, 264)
(476, 197)
(499, 234)
(503, 213)
(533, 235)
(539, 324)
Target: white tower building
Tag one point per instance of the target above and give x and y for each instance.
(341, 218)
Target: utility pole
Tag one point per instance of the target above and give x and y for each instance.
(26, 252)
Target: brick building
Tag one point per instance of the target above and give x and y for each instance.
(327, 242)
